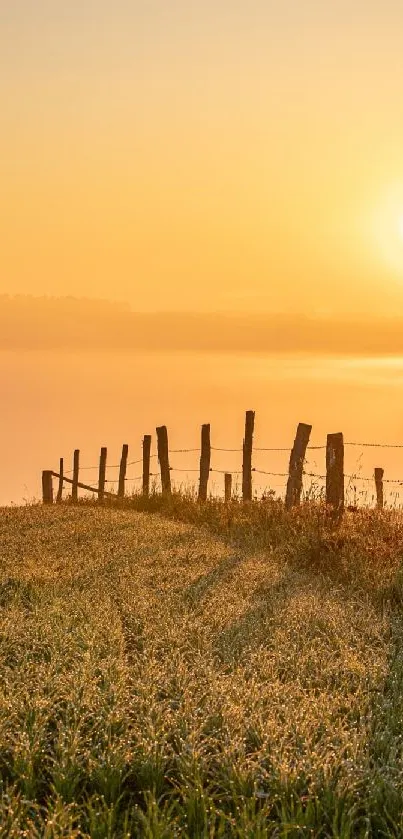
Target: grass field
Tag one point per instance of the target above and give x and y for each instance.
(238, 673)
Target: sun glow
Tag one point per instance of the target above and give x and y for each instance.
(387, 230)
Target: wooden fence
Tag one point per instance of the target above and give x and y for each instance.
(334, 477)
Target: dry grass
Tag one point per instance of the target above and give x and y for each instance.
(238, 676)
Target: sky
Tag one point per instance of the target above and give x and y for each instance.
(204, 155)
(236, 164)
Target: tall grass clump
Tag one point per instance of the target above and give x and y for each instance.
(211, 670)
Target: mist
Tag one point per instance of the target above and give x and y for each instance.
(29, 323)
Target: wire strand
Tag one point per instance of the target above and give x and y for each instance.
(275, 474)
(224, 472)
(173, 469)
(181, 451)
(377, 445)
(216, 449)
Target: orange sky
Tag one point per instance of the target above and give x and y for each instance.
(201, 156)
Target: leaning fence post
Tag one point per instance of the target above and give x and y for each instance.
(205, 457)
(60, 489)
(47, 486)
(163, 457)
(228, 486)
(102, 474)
(335, 472)
(247, 456)
(122, 471)
(146, 464)
(296, 466)
(379, 487)
(76, 466)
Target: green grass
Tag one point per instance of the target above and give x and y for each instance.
(216, 671)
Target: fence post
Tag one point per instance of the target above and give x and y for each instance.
(146, 464)
(228, 486)
(102, 474)
(296, 466)
(163, 457)
(122, 471)
(335, 472)
(205, 457)
(47, 486)
(74, 486)
(60, 489)
(247, 456)
(379, 487)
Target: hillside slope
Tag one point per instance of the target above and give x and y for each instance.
(155, 681)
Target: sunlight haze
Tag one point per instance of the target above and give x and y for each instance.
(203, 156)
(230, 174)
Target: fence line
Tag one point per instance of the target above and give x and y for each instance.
(334, 476)
(255, 449)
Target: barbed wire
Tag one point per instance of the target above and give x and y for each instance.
(82, 469)
(376, 445)
(263, 449)
(396, 482)
(224, 472)
(364, 478)
(313, 475)
(110, 465)
(173, 469)
(353, 477)
(308, 448)
(257, 449)
(274, 474)
(181, 451)
(216, 449)
(140, 460)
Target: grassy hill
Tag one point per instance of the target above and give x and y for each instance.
(158, 679)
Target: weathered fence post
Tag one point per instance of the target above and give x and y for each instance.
(205, 457)
(47, 486)
(228, 486)
(335, 472)
(163, 457)
(60, 489)
(122, 471)
(296, 466)
(247, 456)
(102, 474)
(76, 466)
(379, 487)
(146, 464)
